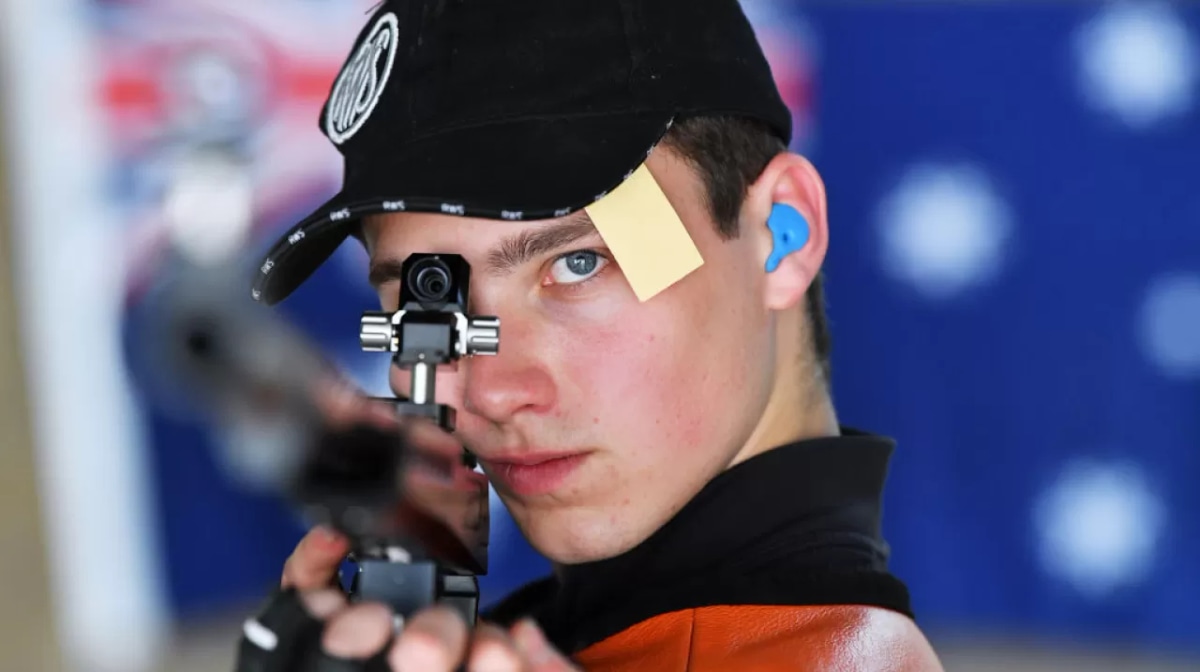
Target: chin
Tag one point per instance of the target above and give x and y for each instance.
(571, 537)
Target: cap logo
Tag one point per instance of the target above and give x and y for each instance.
(363, 81)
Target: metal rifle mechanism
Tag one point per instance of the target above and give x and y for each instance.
(417, 517)
(431, 328)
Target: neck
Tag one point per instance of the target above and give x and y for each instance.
(799, 407)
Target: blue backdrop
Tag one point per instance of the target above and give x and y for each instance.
(1014, 287)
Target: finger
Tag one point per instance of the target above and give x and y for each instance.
(323, 603)
(492, 650)
(360, 631)
(336, 400)
(431, 438)
(432, 641)
(315, 561)
(538, 653)
(342, 406)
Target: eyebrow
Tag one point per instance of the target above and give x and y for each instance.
(513, 251)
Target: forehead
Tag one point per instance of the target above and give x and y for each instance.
(398, 232)
(655, 242)
(403, 233)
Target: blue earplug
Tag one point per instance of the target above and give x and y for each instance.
(790, 231)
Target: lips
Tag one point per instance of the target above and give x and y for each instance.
(532, 474)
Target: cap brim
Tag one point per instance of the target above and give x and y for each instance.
(529, 169)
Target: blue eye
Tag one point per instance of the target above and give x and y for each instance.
(576, 267)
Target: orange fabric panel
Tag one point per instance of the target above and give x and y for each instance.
(661, 644)
(767, 639)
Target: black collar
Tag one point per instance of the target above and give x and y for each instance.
(784, 527)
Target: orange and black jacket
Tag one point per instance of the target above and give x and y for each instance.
(777, 564)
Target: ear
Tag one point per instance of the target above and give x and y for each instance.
(789, 179)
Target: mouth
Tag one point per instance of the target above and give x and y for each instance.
(534, 473)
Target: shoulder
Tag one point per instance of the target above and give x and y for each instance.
(842, 637)
(768, 638)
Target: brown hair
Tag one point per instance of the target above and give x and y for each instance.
(730, 153)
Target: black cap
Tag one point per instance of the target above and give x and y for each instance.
(517, 110)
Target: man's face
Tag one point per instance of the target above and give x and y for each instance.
(601, 416)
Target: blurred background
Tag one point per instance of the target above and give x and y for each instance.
(1014, 288)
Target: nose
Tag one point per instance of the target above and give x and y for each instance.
(502, 386)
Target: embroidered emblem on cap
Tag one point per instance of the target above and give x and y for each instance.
(363, 81)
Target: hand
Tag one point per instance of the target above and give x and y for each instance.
(434, 640)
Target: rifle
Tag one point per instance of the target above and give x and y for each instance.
(417, 516)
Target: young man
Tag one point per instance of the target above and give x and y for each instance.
(675, 453)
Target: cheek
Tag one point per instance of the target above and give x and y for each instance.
(652, 378)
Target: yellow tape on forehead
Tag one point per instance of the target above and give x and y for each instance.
(645, 234)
